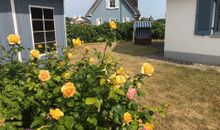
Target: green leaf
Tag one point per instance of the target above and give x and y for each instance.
(70, 103)
(92, 120)
(78, 127)
(102, 81)
(56, 90)
(120, 92)
(91, 101)
(134, 125)
(98, 104)
(57, 78)
(36, 122)
(60, 127)
(69, 122)
(17, 123)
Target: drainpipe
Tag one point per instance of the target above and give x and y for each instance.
(14, 18)
(120, 2)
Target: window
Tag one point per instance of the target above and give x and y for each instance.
(43, 29)
(126, 19)
(98, 21)
(112, 19)
(112, 3)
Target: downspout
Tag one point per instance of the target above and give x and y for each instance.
(14, 19)
(120, 2)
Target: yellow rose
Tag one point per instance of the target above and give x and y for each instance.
(112, 78)
(62, 63)
(13, 39)
(147, 69)
(148, 126)
(40, 46)
(140, 121)
(70, 56)
(2, 122)
(120, 79)
(35, 54)
(127, 117)
(56, 113)
(87, 48)
(66, 75)
(76, 42)
(119, 71)
(68, 90)
(44, 75)
(113, 25)
(91, 60)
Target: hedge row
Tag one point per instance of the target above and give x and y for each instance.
(91, 33)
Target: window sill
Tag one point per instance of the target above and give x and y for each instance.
(112, 8)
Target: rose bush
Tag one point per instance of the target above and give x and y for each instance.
(87, 94)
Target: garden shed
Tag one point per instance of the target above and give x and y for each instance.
(142, 32)
(40, 24)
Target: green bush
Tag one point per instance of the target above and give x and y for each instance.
(91, 33)
(158, 30)
(92, 93)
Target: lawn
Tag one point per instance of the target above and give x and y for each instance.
(192, 94)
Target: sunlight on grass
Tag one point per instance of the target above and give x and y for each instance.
(192, 95)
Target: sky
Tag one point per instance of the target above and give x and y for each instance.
(156, 8)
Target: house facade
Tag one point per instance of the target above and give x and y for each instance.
(193, 31)
(113, 10)
(40, 24)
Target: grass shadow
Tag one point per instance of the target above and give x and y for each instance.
(124, 47)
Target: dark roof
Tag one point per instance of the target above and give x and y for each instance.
(130, 3)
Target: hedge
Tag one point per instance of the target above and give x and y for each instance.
(92, 33)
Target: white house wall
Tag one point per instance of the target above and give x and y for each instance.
(181, 42)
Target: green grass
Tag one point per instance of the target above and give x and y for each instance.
(192, 95)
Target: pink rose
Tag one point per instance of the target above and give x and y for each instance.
(131, 94)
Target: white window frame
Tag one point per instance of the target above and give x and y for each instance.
(32, 32)
(116, 4)
(125, 19)
(112, 19)
(99, 19)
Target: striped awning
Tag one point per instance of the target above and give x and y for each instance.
(142, 24)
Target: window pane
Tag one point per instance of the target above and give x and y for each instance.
(51, 46)
(112, 3)
(38, 26)
(39, 37)
(36, 13)
(40, 47)
(49, 25)
(48, 14)
(50, 36)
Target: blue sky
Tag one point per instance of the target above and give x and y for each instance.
(156, 8)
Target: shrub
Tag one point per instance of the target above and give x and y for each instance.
(91, 33)
(91, 93)
(158, 29)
